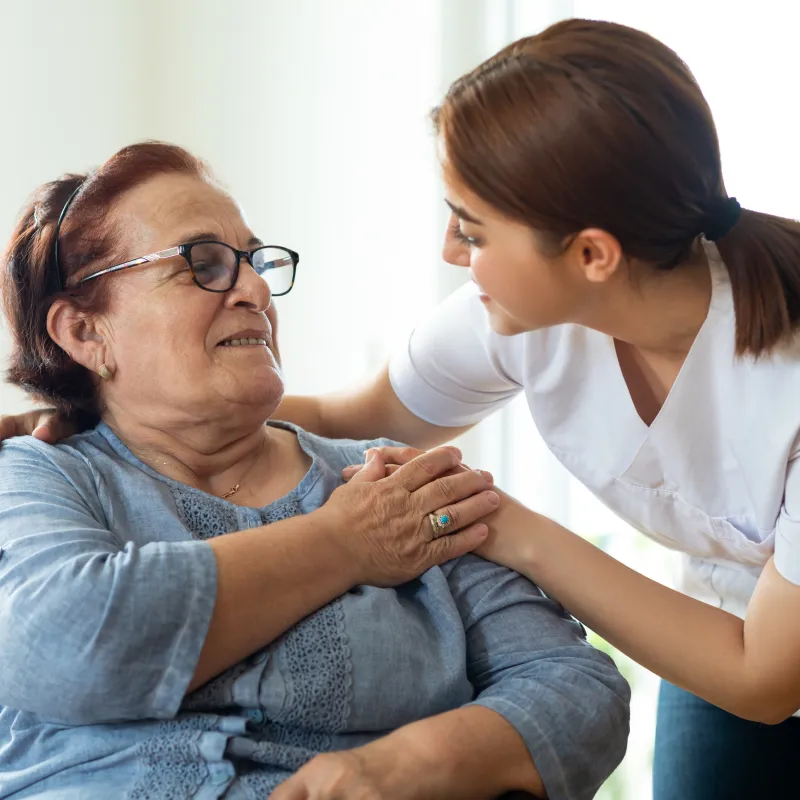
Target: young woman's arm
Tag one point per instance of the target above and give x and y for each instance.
(748, 667)
(369, 412)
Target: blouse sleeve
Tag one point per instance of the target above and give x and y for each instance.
(93, 628)
(787, 533)
(454, 369)
(530, 662)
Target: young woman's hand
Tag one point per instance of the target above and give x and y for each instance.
(383, 520)
(43, 423)
(395, 457)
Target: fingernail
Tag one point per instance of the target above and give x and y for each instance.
(493, 498)
(486, 475)
(368, 456)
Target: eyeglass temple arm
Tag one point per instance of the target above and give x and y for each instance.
(172, 251)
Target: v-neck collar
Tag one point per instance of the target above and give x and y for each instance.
(630, 431)
(719, 283)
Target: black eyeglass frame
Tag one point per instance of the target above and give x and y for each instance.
(185, 250)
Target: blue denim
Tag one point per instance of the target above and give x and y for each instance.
(107, 587)
(705, 753)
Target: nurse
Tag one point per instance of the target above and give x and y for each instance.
(652, 324)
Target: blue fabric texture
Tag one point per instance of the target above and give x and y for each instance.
(705, 753)
(107, 588)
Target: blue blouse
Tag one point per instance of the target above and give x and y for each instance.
(107, 588)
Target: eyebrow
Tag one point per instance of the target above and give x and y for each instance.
(253, 241)
(463, 214)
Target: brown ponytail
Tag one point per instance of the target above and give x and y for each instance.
(594, 124)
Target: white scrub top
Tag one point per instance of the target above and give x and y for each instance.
(715, 476)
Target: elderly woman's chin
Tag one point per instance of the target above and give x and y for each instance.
(250, 375)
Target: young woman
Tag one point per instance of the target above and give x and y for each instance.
(652, 324)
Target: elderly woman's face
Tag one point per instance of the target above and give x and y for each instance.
(165, 334)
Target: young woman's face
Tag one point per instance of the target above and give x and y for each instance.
(521, 288)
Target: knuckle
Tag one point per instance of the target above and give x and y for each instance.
(446, 490)
(426, 464)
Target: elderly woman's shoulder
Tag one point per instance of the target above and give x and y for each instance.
(26, 456)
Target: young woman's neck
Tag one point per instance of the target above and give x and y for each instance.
(657, 311)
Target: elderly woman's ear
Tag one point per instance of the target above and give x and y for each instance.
(83, 336)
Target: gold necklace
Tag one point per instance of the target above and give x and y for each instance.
(232, 491)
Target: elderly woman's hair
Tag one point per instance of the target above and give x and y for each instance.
(86, 240)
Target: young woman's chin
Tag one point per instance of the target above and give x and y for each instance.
(500, 321)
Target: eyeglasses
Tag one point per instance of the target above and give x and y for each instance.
(215, 265)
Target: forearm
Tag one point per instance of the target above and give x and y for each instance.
(302, 410)
(371, 411)
(268, 579)
(685, 641)
(468, 754)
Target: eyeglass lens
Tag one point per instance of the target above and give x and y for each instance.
(214, 265)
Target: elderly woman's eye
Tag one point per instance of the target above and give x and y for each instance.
(208, 272)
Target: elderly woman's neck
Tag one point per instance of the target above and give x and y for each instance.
(212, 457)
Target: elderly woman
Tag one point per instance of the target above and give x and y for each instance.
(192, 603)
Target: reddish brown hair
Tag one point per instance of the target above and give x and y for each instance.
(594, 124)
(86, 239)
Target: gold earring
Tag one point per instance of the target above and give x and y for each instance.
(104, 372)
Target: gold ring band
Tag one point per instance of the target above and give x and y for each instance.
(439, 523)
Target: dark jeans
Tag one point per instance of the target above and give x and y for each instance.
(705, 753)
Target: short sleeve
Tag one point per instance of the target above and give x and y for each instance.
(454, 370)
(787, 533)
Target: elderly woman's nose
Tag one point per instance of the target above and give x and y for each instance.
(250, 290)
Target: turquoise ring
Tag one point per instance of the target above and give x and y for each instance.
(439, 523)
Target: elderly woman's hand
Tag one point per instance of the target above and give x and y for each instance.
(344, 775)
(384, 521)
(43, 423)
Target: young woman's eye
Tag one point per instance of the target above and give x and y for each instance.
(460, 236)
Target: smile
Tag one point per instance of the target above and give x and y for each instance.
(243, 342)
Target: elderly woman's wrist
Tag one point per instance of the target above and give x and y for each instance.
(329, 541)
(406, 771)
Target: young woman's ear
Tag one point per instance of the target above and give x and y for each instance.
(596, 253)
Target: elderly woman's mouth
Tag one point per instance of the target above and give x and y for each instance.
(242, 342)
(247, 337)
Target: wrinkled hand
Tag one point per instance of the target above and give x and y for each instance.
(382, 520)
(43, 423)
(344, 775)
(509, 541)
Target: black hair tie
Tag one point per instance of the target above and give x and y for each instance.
(723, 214)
